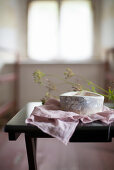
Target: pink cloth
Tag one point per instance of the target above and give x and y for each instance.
(62, 124)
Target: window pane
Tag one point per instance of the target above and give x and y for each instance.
(76, 30)
(42, 30)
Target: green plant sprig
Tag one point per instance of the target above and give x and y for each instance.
(42, 80)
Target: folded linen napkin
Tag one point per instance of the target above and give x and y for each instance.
(62, 124)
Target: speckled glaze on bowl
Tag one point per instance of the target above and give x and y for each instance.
(82, 102)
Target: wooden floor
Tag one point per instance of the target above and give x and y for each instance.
(12, 154)
(53, 155)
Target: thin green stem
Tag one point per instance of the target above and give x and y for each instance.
(97, 86)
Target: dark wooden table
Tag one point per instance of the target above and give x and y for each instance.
(92, 132)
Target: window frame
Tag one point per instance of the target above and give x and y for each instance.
(59, 2)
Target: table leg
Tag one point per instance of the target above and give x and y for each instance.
(31, 151)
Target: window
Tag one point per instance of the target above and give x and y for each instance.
(60, 30)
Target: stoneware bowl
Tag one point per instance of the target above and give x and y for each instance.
(82, 102)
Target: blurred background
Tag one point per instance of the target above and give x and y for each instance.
(52, 35)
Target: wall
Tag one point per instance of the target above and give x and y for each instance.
(13, 23)
(13, 37)
(107, 25)
(97, 17)
(7, 88)
(8, 24)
